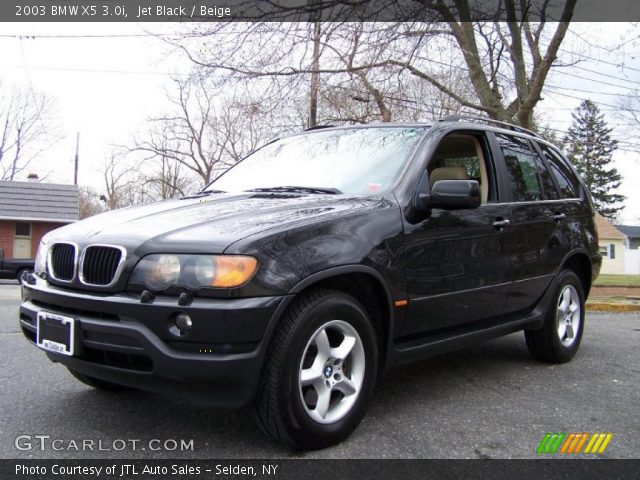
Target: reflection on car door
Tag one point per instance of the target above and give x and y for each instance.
(456, 269)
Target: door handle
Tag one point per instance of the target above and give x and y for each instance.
(558, 216)
(501, 223)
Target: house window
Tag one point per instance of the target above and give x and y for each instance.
(608, 251)
(23, 229)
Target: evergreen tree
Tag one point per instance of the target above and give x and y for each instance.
(589, 146)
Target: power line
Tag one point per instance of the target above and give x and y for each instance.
(571, 109)
(587, 57)
(187, 35)
(595, 142)
(599, 103)
(108, 35)
(614, 94)
(626, 146)
(97, 70)
(611, 124)
(593, 80)
(120, 35)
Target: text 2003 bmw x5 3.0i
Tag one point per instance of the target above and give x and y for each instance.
(299, 275)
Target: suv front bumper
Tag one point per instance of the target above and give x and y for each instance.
(120, 340)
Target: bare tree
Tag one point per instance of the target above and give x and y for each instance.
(522, 39)
(183, 135)
(630, 108)
(164, 178)
(505, 63)
(123, 184)
(91, 203)
(27, 128)
(204, 135)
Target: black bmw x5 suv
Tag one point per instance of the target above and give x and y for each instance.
(302, 273)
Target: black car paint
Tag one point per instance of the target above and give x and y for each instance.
(300, 239)
(11, 268)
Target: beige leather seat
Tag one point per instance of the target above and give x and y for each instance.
(448, 173)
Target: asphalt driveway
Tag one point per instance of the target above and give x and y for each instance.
(492, 401)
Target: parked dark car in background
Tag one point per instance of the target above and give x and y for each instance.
(14, 267)
(322, 259)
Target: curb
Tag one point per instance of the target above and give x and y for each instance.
(613, 307)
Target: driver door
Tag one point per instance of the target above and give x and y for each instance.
(456, 266)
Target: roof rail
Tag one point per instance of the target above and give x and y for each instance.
(471, 118)
(318, 127)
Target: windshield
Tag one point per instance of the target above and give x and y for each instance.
(353, 161)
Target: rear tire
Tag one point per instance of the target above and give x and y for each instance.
(319, 372)
(97, 383)
(561, 334)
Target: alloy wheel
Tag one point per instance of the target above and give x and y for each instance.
(331, 371)
(568, 315)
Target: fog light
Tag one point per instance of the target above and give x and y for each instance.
(181, 325)
(183, 322)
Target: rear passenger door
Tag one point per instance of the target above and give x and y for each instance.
(571, 214)
(534, 244)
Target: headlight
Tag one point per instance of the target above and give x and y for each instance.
(40, 265)
(157, 272)
(161, 271)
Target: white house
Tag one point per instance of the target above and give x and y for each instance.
(631, 248)
(611, 242)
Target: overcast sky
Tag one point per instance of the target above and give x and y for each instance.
(106, 87)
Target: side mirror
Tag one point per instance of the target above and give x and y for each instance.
(454, 195)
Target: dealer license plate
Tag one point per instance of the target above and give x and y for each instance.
(56, 333)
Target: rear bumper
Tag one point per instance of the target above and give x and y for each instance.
(122, 341)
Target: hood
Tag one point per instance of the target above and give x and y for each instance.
(206, 224)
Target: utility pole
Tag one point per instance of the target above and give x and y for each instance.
(315, 65)
(77, 161)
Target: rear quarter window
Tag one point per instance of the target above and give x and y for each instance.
(567, 182)
(522, 174)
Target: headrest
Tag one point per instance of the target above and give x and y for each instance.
(448, 173)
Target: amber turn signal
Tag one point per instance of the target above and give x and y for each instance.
(233, 270)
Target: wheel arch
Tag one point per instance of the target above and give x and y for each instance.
(579, 262)
(368, 287)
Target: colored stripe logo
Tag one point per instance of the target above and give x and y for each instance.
(568, 443)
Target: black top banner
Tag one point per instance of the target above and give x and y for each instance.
(317, 10)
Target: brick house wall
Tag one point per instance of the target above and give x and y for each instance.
(44, 206)
(38, 230)
(7, 232)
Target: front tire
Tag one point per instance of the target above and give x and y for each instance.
(320, 371)
(560, 337)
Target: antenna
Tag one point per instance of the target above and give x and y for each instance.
(77, 160)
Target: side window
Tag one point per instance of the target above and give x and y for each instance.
(569, 185)
(550, 190)
(521, 168)
(461, 157)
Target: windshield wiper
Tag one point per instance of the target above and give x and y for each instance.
(203, 193)
(294, 189)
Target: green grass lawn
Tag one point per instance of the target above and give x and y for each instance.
(618, 281)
